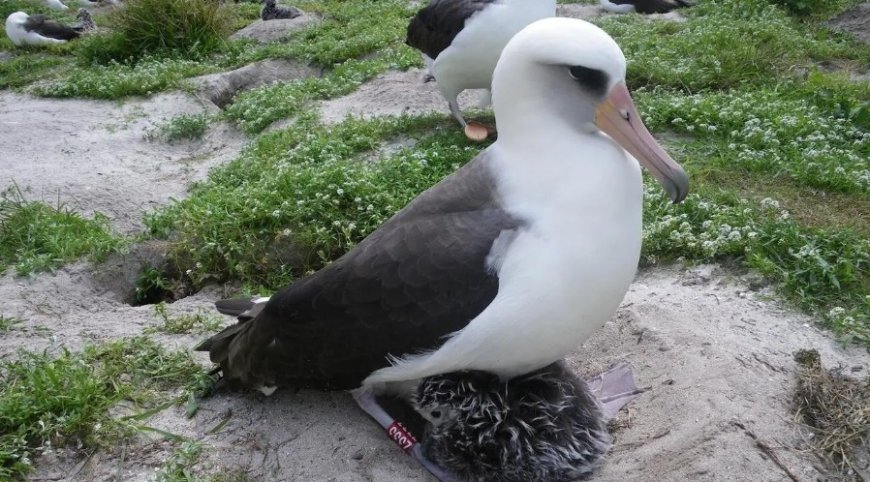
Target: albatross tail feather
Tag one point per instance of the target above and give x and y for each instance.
(218, 346)
(234, 307)
(245, 309)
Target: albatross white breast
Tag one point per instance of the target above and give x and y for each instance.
(504, 266)
(461, 41)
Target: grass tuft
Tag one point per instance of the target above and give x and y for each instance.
(177, 468)
(184, 127)
(7, 323)
(152, 286)
(185, 324)
(185, 28)
(37, 237)
(65, 400)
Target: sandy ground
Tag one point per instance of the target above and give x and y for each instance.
(714, 354)
(396, 93)
(95, 155)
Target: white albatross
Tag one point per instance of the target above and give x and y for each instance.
(505, 266)
(23, 29)
(461, 41)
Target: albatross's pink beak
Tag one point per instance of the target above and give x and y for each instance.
(618, 118)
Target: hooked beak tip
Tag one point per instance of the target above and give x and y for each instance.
(678, 187)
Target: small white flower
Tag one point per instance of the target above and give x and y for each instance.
(836, 311)
(769, 203)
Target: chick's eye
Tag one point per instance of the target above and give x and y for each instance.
(436, 414)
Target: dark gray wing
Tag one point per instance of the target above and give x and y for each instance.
(654, 6)
(419, 277)
(41, 25)
(435, 26)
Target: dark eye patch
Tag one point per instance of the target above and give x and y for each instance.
(592, 80)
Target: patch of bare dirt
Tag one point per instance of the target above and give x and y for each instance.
(96, 156)
(394, 93)
(856, 21)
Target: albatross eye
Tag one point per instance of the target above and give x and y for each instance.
(436, 414)
(593, 80)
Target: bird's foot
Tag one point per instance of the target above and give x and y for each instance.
(427, 78)
(397, 432)
(614, 388)
(478, 132)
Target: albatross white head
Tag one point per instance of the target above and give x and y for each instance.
(568, 76)
(15, 27)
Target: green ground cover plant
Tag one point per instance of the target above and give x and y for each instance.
(725, 44)
(37, 237)
(184, 127)
(8, 323)
(64, 400)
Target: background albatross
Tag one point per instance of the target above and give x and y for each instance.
(461, 41)
(23, 29)
(504, 266)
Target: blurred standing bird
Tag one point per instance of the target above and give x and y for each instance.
(461, 41)
(23, 29)
(272, 12)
